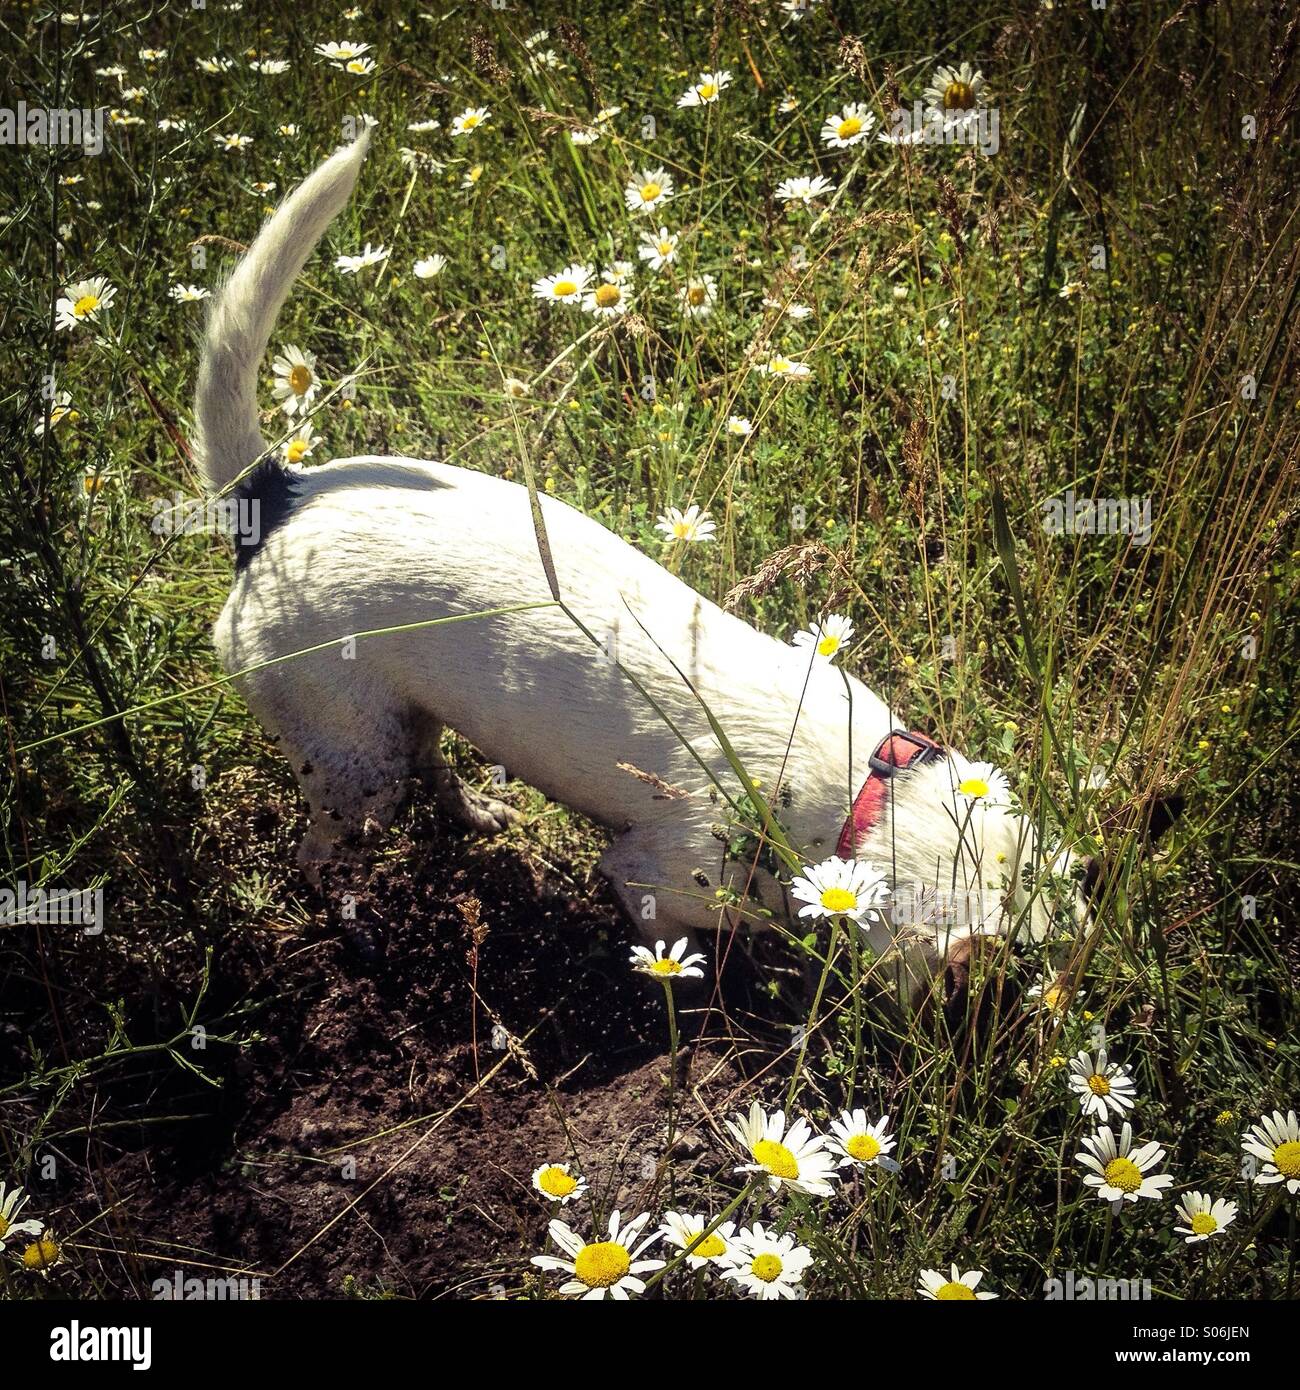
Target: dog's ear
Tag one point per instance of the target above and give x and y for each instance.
(1161, 812)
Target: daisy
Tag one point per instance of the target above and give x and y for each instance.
(829, 639)
(981, 782)
(955, 91)
(1118, 1171)
(470, 119)
(690, 525)
(1203, 1216)
(797, 1159)
(648, 190)
(672, 966)
(349, 265)
(713, 1251)
(619, 272)
(740, 426)
(423, 127)
(609, 298)
(707, 90)
(768, 1266)
(1101, 1088)
(851, 888)
(585, 136)
(300, 443)
(12, 1202)
(781, 365)
(697, 296)
(804, 190)
(296, 382)
(795, 311)
(234, 143)
(472, 176)
(659, 248)
(607, 114)
(1276, 1140)
(340, 53)
(429, 267)
(270, 67)
(60, 410)
(605, 1267)
(187, 294)
(555, 1182)
(214, 65)
(81, 303)
(43, 1254)
(152, 55)
(860, 1142)
(853, 124)
(359, 67)
(960, 1287)
(288, 129)
(263, 188)
(568, 287)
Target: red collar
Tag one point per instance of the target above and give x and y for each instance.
(896, 750)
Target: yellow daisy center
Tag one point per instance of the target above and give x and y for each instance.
(471, 121)
(300, 378)
(296, 450)
(697, 294)
(958, 96)
(602, 1264)
(973, 786)
(1203, 1224)
(650, 191)
(555, 1182)
(607, 296)
(766, 1268)
(667, 966)
(357, 65)
(1286, 1158)
(40, 1254)
(87, 304)
(707, 90)
(4, 1226)
(1098, 1085)
(665, 248)
(838, 899)
(1124, 1174)
(776, 1158)
(847, 128)
(780, 364)
(955, 1292)
(863, 1147)
(709, 1248)
(828, 646)
(563, 288)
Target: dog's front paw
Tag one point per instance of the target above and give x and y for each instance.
(485, 815)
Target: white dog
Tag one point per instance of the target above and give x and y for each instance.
(566, 698)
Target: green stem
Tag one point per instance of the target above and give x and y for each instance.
(751, 1187)
(812, 1017)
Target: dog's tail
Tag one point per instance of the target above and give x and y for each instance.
(244, 312)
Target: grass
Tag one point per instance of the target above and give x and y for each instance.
(1104, 306)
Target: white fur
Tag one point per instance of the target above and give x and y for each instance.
(380, 542)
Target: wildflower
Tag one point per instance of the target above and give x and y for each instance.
(82, 302)
(342, 53)
(12, 1202)
(797, 1159)
(955, 91)
(788, 367)
(675, 965)
(957, 1288)
(472, 176)
(349, 265)
(853, 124)
(296, 382)
(707, 90)
(609, 298)
(690, 525)
(567, 287)
(233, 143)
(837, 887)
(1203, 1217)
(714, 1251)
(187, 294)
(555, 1182)
(828, 639)
(1276, 1140)
(430, 266)
(648, 190)
(605, 1268)
(423, 127)
(861, 1143)
(470, 120)
(980, 782)
(1102, 1088)
(804, 190)
(767, 1266)
(60, 410)
(698, 296)
(43, 1254)
(1118, 1171)
(740, 426)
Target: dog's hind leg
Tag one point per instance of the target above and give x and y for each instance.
(479, 814)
